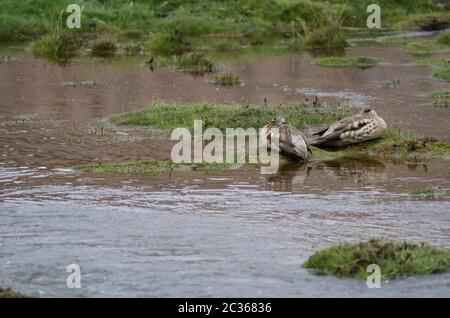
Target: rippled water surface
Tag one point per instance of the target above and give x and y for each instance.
(223, 233)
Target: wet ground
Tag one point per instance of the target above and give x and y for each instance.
(229, 233)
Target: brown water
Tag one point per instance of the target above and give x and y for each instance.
(229, 233)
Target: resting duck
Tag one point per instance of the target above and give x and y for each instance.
(364, 126)
(291, 141)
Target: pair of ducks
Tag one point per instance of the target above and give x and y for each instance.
(364, 126)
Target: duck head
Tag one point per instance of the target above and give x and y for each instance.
(369, 112)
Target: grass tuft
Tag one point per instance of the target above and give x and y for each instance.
(427, 194)
(227, 79)
(443, 74)
(104, 48)
(59, 48)
(358, 62)
(9, 293)
(395, 259)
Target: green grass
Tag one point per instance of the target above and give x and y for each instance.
(59, 48)
(326, 38)
(441, 94)
(396, 259)
(9, 293)
(424, 48)
(194, 63)
(427, 21)
(227, 79)
(427, 194)
(442, 103)
(29, 19)
(441, 98)
(81, 83)
(167, 116)
(167, 44)
(104, 48)
(358, 62)
(444, 39)
(443, 74)
(440, 62)
(150, 167)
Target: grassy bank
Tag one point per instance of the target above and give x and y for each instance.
(395, 259)
(22, 20)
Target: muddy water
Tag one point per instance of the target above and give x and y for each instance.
(230, 233)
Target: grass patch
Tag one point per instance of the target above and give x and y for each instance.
(426, 21)
(442, 102)
(9, 293)
(443, 62)
(325, 38)
(443, 74)
(104, 48)
(424, 47)
(427, 194)
(229, 46)
(59, 48)
(395, 259)
(358, 62)
(167, 44)
(194, 63)
(167, 116)
(150, 167)
(444, 39)
(441, 94)
(227, 79)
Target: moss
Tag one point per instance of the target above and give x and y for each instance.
(227, 79)
(59, 48)
(443, 74)
(164, 115)
(150, 167)
(104, 48)
(359, 62)
(395, 259)
(9, 293)
(427, 194)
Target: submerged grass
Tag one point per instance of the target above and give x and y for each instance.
(358, 62)
(443, 74)
(427, 194)
(395, 259)
(150, 167)
(424, 47)
(168, 116)
(9, 293)
(227, 79)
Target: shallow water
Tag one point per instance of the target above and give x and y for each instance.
(223, 233)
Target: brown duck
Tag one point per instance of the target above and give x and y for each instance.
(364, 126)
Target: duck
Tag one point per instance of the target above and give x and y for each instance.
(292, 142)
(363, 126)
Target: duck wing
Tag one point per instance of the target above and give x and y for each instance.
(293, 143)
(336, 131)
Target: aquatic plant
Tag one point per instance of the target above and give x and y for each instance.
(427, 194)
(326, 38)
(194, 63)
(423, 47)
(9, 293)
(443, 74)
(172, 43)
(81, 83)
(104, 48)
(358, 62)
(393, 83)
(444, 39)
(227, 79)
(150, 167)
(60, 48)
(133, 49)
(395, 259)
